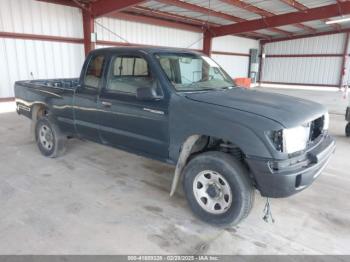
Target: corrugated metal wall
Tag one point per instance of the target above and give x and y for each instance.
(327, 44)
(234, 44)
(296, 70)
(138, 33)
(24, 59)
(237, 65)
(305, 70)
(20, 59)
(27, 59)
(34, 17)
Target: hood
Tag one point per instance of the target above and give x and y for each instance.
(287, 110)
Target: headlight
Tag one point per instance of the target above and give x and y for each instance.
(295, 139)
(291, 140)
(326, 121)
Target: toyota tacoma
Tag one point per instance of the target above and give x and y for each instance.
(182, 108)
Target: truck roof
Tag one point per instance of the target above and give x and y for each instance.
(148, 49)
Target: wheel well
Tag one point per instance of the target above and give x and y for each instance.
(210, 143)
(196, 144)
(39, 111)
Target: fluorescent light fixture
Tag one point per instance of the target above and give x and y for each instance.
(341, 20)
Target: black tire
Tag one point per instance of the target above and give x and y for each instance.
(58, 140)
(347, 130)
(234, 173)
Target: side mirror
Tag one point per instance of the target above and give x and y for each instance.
(147, 94)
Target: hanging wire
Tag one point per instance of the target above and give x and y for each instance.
(112, 32)
(80, 4)
(267, 212)
(99, 24)
(207, 25)
(198, 40)
(209, 6)
(125, 40)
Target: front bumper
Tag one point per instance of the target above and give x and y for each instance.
(287, 177)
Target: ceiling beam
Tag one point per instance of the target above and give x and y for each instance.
(259, 35)
(61, 2)
(280, 31)
(203, 10)
(157, 21)
(263, 13)
(106, 7)
(246, 35)
(140, 10)
(169, 16)
(295, 4)
(285, 19)
(300, 7)
(112, 8)
(210, 12)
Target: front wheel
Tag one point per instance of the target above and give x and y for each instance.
(218, 188)
(347, 130)
(50, 141)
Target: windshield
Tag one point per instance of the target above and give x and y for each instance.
(191, 72)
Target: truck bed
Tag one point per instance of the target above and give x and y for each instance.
(54, 94)
(69, 83)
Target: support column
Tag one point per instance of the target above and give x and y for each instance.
(345, 56)
(88, 28)
(207, 42)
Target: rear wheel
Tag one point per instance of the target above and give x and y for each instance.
(218, 188)
(347, 130)
(50, 140)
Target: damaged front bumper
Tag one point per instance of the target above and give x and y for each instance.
(287, 177)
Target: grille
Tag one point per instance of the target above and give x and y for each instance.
(316, 128)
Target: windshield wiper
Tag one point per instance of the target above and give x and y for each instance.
(198, 90)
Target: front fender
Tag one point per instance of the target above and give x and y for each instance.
(243, 129)
(250, 144)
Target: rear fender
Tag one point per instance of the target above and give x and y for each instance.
(38, 110)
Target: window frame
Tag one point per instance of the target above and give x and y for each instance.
(105, 61)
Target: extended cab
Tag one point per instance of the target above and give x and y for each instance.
(180, 107)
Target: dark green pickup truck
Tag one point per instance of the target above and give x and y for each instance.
(180, 107)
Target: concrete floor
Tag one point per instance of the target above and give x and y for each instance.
(98, 200)
(335, 100)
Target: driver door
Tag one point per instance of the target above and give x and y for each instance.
(125, 121)
(85, 99)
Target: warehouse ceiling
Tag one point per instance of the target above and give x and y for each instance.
(260, 19)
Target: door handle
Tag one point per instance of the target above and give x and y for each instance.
(106, 104)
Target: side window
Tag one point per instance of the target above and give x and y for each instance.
(141, 67)
(127, 73)
(94, 72)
